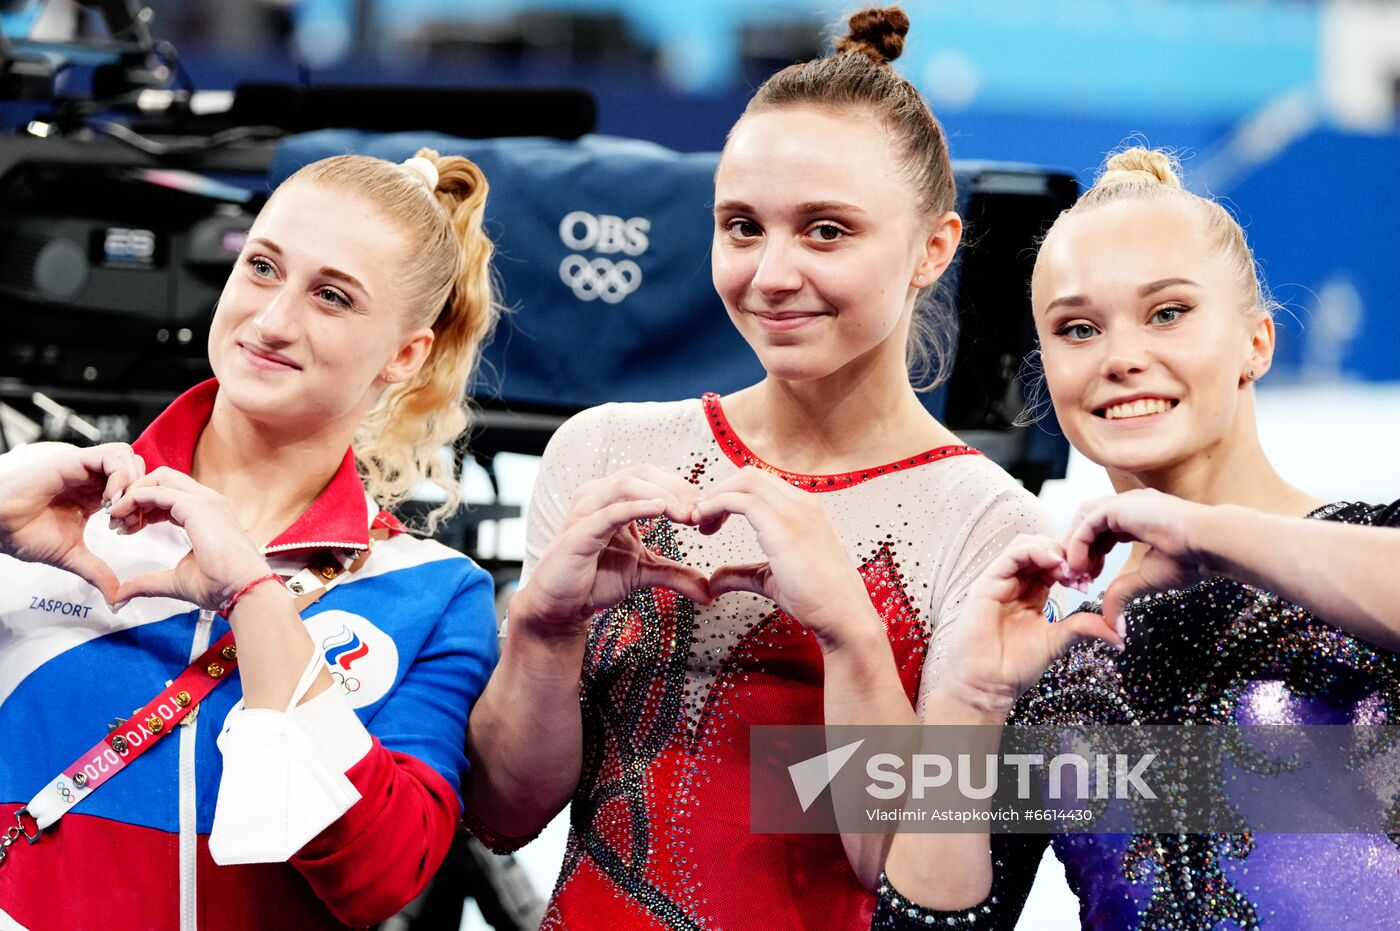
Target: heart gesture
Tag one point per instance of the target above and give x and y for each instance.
(1160, 521)
(45, 505)
(1002, 642)
(808, 573)
(222, 558)
(597, 558)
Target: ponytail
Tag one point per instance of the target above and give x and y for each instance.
(399, 442)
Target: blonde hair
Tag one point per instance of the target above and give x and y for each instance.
(1140, 173)
(448, 278)
(858, 76)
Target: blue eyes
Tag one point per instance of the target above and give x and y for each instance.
(1079, 331)
(1076, 331)
(263, 269)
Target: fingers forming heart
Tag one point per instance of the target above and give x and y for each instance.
(687, 581)
(162, 583)
(94, 570)
(751, 577)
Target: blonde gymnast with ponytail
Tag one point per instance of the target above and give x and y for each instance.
(249, 525)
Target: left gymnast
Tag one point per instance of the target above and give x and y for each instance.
(239, 549)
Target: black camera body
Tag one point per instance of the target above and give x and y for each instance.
(109, 268)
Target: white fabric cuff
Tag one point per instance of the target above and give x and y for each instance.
(284, 774)
(335, 727)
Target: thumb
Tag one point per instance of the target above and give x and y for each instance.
(750, 577)
(1116, 597)
(687, 581)
(160, 584)
(1086, 625)
(93, 569)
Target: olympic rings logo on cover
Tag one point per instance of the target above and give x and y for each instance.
(600, 278)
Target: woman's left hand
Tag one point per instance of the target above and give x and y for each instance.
(808, 573)
(1167, 525)
(222, 559)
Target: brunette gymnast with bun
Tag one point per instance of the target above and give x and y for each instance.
(793, 553)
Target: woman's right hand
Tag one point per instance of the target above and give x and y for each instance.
(45, 505)
(597, 558)
(1002, 642)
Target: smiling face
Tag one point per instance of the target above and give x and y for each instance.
(311, 317)
(1147, 336)
(818, 239)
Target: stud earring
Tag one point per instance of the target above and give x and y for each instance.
(1249, 375)
(390, 379)
(918, 279)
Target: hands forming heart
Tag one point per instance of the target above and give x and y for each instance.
(597, 557)
(45, 506)
(1003, 643)
(1175, 557)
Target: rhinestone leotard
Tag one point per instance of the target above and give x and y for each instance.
(659, 833)
(1219, 652)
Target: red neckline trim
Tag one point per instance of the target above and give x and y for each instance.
(740, 454)
(337, 519)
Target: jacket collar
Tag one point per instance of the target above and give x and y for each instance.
(339, 518)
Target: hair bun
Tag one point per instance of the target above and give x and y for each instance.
(1140, 165)
(877, 32)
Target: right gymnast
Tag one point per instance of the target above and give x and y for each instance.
(1153, 328)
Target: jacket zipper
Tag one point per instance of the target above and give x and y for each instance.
(189, 810)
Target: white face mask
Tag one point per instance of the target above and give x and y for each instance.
(278, 790)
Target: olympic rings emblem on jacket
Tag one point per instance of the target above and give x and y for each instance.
(600, 278)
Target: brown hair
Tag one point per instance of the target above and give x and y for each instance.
(448, 276)
(858, 76)
(1140, 173)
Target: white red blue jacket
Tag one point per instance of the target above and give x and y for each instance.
(410, 638)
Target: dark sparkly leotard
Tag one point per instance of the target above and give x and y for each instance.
(1217, 653)
(659, 834)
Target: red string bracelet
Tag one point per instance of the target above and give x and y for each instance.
(229, 605)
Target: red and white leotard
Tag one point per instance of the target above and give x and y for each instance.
(660, 820)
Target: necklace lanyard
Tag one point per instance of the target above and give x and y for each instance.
(159, 716)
